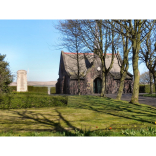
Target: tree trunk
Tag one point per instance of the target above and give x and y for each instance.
(124, 67)
(78, 68)
(79, 86)
(121, 86)
(155, 84)
(135, 93)
(103, 85)
(151, 82)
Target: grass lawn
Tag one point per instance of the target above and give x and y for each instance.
(150, 95)
(83, 114)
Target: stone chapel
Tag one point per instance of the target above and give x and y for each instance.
(91, 74)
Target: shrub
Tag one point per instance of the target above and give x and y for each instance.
(38, 89)
(53, 90)
(32, 89)
(5, 75)
(30, 93)
(28, 101)
(149, 95)
(145, 88)
(12, 88)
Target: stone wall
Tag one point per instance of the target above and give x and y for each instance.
(112, 86)
(84, 87)
(128, 86)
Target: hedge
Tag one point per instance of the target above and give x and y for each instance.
(145, 88)
(53, 90)
(28, 93)
(36, 89)
(17, 101)
(32, 89)
(12, 88)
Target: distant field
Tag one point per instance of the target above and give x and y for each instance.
(37, 83)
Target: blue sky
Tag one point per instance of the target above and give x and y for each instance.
(32, 45)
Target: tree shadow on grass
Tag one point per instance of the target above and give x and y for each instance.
(39, 118)
(134, 112)
(55, 124)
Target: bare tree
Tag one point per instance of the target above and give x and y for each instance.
(125, 62)
(71, 41)
(148, 55)
(136, 31)
(100, 40)
(145, 78)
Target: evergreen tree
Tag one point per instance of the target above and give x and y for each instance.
(5, 75)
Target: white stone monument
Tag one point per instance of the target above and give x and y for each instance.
(49, 90)
(22, 81)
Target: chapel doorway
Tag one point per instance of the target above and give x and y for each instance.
(97, 85)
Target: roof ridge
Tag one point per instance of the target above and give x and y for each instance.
(84, 53)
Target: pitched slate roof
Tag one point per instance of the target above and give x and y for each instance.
(70, 62)
(117, 75)
(86, 61)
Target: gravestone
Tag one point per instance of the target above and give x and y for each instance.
(22, 81)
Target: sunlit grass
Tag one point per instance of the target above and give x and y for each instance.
(150, 95)
(83, 113)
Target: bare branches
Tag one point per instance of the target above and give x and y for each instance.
(145, 78)
(148, 55)
(72, 41)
